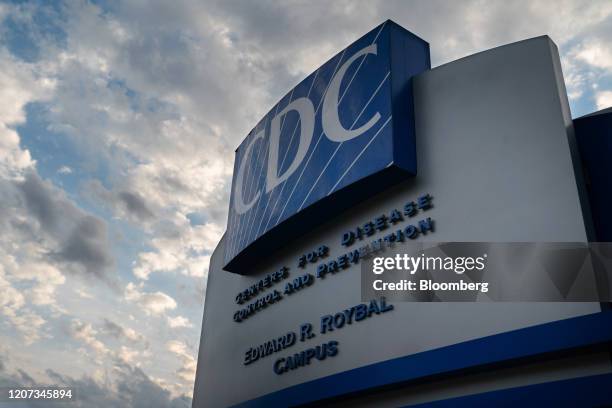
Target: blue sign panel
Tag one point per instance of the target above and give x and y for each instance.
(344, 133)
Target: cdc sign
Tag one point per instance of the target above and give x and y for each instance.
(342, 134)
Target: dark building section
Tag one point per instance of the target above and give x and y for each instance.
(594, 138)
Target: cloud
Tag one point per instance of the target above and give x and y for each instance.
(81, 239)
(179, 321)
(597, 54)
(13, 306)
(119, 332)
(128, 355)
(45, 279)
(87, 246)
(124, 204)
(590, 66)
(64, 170)
(137, 390)
(188, 369)
(135, 204)
(28, 324)
(20, 83)
(603, 99)
(145, 116)
(11, 299)
(44, 203)
(26, 378)
(83, 293)
(13, 160)
(180, 247)
(113, 329)
(85, 333)
(155, 303)
(104, 354)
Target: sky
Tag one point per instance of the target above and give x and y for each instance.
(118, 124)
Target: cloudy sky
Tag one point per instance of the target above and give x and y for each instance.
(118, 122)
